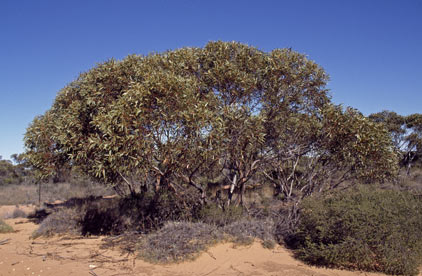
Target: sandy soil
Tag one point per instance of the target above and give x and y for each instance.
(21, 255)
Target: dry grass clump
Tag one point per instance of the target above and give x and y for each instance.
(245, 231)
(4, 227)
(178, 241)
(65, 220)
(18, 213)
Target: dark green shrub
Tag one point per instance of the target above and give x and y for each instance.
(215, 215)
(366, 228)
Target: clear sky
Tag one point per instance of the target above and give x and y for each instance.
(372, 49)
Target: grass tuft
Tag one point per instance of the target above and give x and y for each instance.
(18, 213)
(5, 228)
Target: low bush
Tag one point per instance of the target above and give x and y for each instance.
(140, 213)
(62, 221)
(245, 231)
(215, 215)
(178, 241)
(366, 228)
(4, 227)
(18, 213)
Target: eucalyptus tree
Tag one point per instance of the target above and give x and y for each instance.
(395, 125)
(130, 123)
(414, 140)
(167, 121)
(321, 152)
(233, 73)
(406, 135)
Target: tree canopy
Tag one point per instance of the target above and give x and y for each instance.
(406, 134)
(188, 117)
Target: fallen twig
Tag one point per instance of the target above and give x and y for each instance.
(4, 241)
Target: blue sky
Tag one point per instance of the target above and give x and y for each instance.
(372, 49)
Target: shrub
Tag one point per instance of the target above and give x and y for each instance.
(141, 213)
(4, 227)
(18, 213)
(178, 241)
(246, 230)
(214, 215)
(104, 216)
(367, 228)
(65, 220)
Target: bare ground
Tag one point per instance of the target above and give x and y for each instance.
(22, 255)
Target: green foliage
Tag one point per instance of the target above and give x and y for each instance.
(4, 227)
(366, 228)
(215, 215)
(394, 123)
(166, 121)
(14, 173)
(360, 148)
(323, 150)
(406, 134)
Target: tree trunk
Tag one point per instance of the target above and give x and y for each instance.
(39, 193)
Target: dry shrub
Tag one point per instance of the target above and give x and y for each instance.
(17, 213)
(5, 228)
(62, 221)
(246, 231)
(178, 241)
